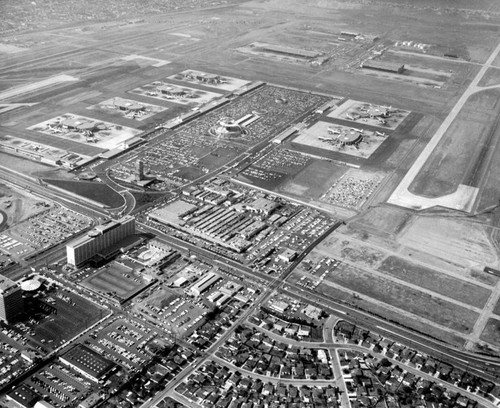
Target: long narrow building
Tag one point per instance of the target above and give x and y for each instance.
(98, 240)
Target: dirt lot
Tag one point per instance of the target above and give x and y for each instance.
(19, 205)
(436, 281)
(462, 242)
(383, 219)
(491, 332)
(386, 312)
(497, 308)
(341, 248)
(404, 298)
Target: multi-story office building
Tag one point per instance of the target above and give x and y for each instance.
(11, 300)
(99, 240)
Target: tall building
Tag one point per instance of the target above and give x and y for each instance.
(139, 170)
(100, 241)
(11, 300)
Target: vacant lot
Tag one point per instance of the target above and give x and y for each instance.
(383, 219)
(421, 304)
(462, 242)
(497, 308)
(435, 281)
(340, 247)
(384, 312)
(491, 332)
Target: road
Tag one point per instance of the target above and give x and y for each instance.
(481, 365)
(269, 290)
(473, 363)
(463, 198)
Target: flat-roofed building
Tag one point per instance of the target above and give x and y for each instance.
(85, 247)
(11, 299)
(386, 66)
(203, 284)
(22, 396)
(87, 362)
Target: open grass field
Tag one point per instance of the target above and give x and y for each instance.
(488, 174)
(437, 282)
(93, 191)
(491, 332)
(116, 278)
(492, 77)
(459, 155)
(404, 298)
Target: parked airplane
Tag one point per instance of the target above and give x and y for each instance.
(333, 131)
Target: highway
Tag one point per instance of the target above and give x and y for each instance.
(484, 366)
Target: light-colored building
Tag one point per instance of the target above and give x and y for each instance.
(98, 240)
(11, 299)
(203, 284)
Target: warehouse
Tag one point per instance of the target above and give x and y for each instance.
(203, 284)
(87, 362)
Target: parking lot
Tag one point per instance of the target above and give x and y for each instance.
(59, 384)
(123, 341)
(43, 230)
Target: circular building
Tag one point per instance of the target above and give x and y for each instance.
(228, 128)
(172, 91)
(350, 138)
(31, 285)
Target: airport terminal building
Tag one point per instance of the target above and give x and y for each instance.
(99, 240)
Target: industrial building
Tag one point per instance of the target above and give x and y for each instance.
(100, 243)
(385, 66)
(11, 300)
(203, 284)
(23, 396)
(87, 362)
